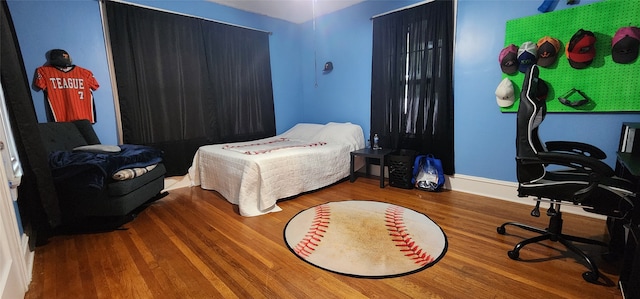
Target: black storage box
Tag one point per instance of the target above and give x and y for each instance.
(400, 164)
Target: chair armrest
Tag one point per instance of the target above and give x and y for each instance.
(586, 164)
(577, 148)
(594, 169)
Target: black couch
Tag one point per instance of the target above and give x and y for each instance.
(111, 198)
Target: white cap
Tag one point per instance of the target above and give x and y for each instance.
(505, 95)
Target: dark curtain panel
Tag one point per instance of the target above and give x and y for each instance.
(185, 82)
(37, 200)
(240, 67)
(412, 80)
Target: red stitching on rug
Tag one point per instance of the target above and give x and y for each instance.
(399, 235)
(316, 232)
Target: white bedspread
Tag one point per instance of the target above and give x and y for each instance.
(255, 182)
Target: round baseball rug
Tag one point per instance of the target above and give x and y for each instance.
(368, 239)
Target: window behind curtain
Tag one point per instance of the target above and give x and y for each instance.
(184, 82)
(412, 88)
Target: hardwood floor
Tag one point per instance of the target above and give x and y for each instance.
(193, 244)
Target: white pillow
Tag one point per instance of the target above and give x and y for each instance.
(303, 131)
(98, 148)
(341, 133)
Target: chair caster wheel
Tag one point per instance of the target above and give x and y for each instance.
(501, 230)
(514, 255)
(590, 276)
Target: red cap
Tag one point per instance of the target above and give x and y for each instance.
(581, 49)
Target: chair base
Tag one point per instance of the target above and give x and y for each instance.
(554, 233)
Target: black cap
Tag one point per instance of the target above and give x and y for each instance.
(328, 66)
(60, 58)
(625, 44)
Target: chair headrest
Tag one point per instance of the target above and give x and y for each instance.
(531, 112)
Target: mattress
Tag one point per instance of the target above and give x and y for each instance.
(255, 174)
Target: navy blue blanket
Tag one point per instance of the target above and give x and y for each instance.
(82, 168)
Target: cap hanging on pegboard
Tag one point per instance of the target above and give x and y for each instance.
(581, 49)
(610, 84)
(624, 45)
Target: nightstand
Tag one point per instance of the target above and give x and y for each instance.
(369, 153)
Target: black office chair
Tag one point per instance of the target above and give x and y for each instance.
(562, 172)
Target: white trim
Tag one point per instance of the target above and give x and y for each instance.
(503, 190)
(15, 275)
(8, 149)
(401, 8)
(112, 71)
(29, 257)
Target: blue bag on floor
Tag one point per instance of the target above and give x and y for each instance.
(427, 173)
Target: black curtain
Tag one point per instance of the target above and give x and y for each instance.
(37, 200)
(412, 80)
(184, 82)
(240, 69)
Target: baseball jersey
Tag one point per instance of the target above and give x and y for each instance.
(69, 92)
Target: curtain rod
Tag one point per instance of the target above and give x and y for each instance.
(185, 15)
(401, 8)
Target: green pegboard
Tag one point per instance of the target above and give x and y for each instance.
(612, 87)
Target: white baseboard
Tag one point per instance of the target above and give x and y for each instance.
(176, 182)
(28, 257)
(503, 190)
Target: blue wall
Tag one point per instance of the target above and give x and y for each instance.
(484, 142)
(484, 137)
(344, 38)
(76, 26)
(58, 25)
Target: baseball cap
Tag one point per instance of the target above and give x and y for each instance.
(581, 49)
(526, 56)
(59, 57)
(548, 50)
(505, 95)
(624, 45)
(508, 59)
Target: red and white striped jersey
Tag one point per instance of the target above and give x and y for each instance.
(69, 92)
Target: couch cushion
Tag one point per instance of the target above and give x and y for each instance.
(86, 129)
(61, 136)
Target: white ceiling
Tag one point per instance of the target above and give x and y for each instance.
(295, 11)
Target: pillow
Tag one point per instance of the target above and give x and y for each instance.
(304, 131)
(98, 148)
(130, 173)
(341, 133)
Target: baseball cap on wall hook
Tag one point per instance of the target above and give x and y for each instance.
(328, 67)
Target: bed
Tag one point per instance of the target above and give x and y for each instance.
(255, 174)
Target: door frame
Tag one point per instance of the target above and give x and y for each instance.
(16, 259)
